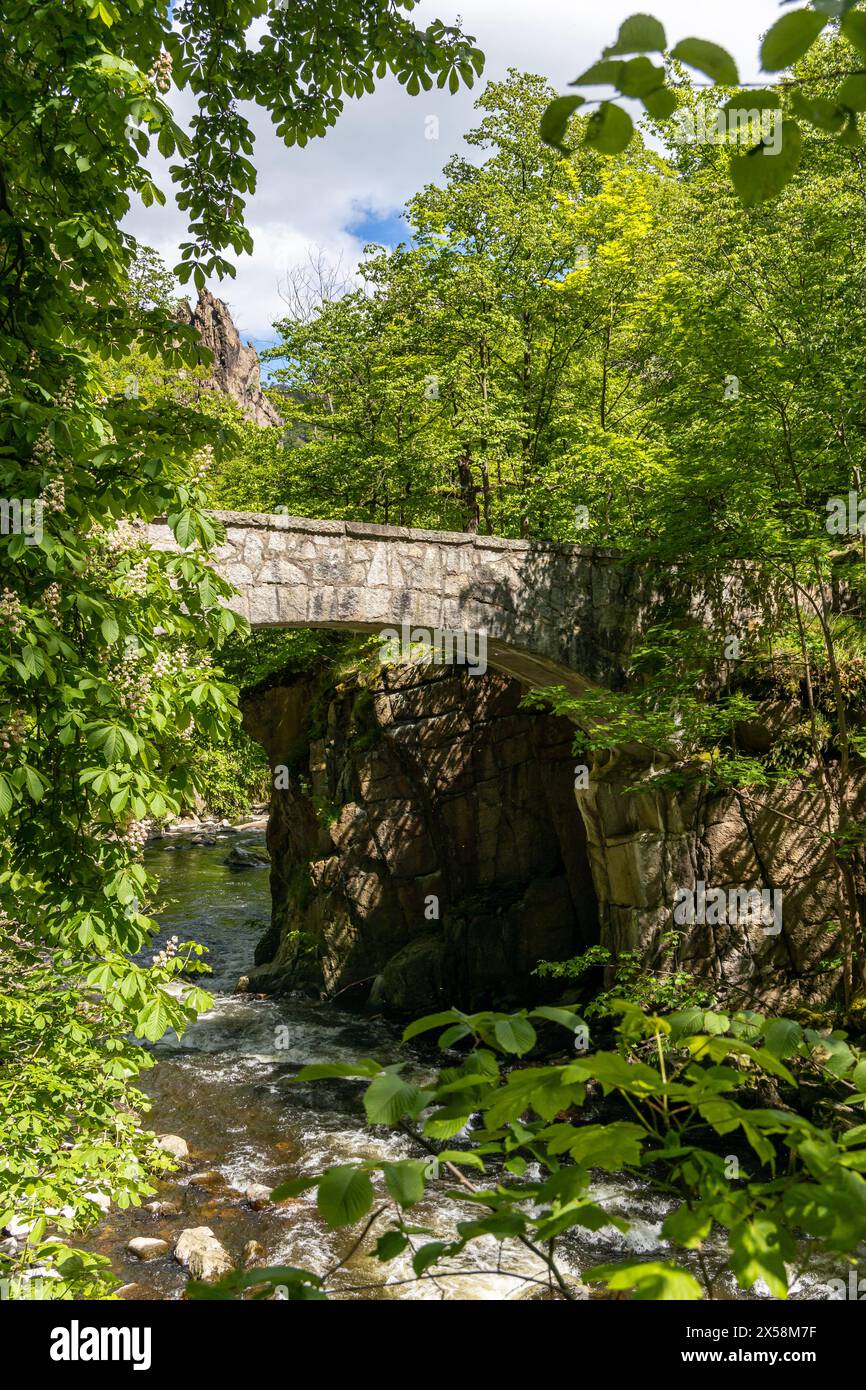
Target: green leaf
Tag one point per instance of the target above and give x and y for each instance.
(660, 103)
(405, 1180)
(650, 1279)
(110, 630)
(390, 1245)
(609, 129)
(616, 1074)
(183, 526)
(320, 1071)
(762, 99)
(431, 1021)
(759, 1249)
(639, 78)
(790, 37)
(640, 33)
(554, 122)
(389, 1098)
(428, 1255)
(606, 74)
(295, 1187)
(35, 785)
(715, 62)
(567, 1017)
(853, 27)
(5, 796)
(819, 111)
(852, 93)
(514, 1035)
(761, 175)
(444, 1124)
(154, 1020)
(345, 1195)
(687, 1227)
(110, 739)
(611, 1146)
(454, 1035)
(546, 1090)
(720, 1049)
(782, 1037)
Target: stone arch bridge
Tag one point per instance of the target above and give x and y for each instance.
(552, 614)
(567, 615)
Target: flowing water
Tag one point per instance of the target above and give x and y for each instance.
(226, 1087)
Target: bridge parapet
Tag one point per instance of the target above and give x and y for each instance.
(552, 614)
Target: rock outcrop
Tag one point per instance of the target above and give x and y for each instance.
(646, 846)
(428, 847)
(432, 845)
(235, 367)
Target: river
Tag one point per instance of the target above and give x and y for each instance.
(226, 1088)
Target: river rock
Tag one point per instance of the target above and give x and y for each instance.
(147, 1247)
(258, 1196)
(160, 1208)
(254, 1254)
(240, 858)
(208, 1177)
(100, 1199)
(174, 1145)
(199, 1251)
(18, 1228)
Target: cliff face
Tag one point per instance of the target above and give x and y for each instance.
(431, 847)
(235, 368)
(644, 847)
(428, 849)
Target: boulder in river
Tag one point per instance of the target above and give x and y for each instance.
(199, 1251)
(258, 1196)
(147, 1247)
(208, 1177)
(240, 858)
(174, 1145)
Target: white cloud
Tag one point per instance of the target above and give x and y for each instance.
(377, 155)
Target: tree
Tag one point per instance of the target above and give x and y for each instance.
(760, 170)
(105, 649)
(487, 374)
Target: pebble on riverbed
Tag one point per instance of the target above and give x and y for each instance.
(162, 1208)
(258, 1196)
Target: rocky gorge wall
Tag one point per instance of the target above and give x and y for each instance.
(645, 846)
(428, 846)
(431, 846)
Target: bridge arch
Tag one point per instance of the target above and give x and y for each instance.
(552, 614)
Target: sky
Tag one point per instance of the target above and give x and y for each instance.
(349, 188)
